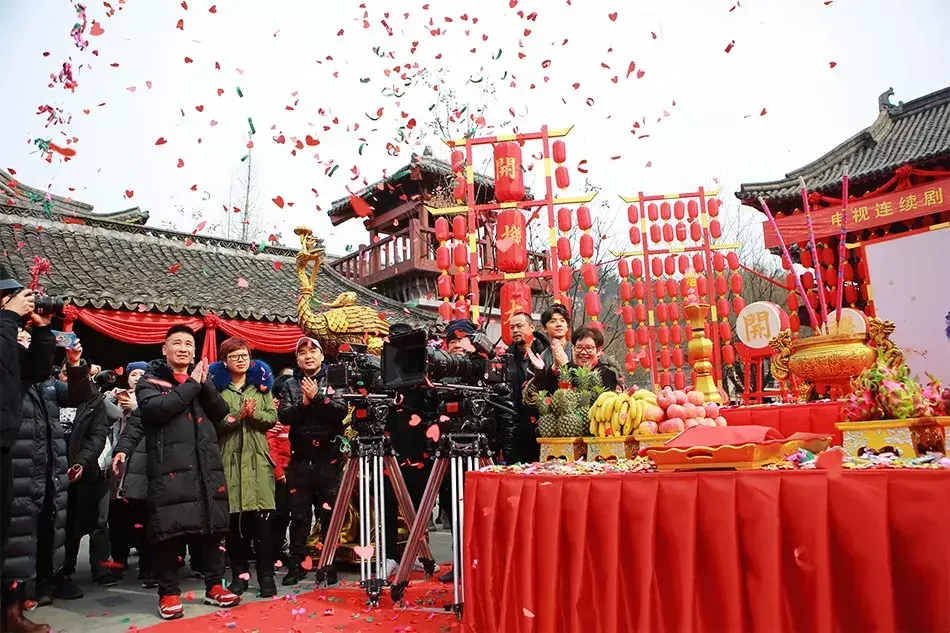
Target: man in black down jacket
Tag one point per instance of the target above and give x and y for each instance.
(187, 491)
(19, 367)
(314, 472)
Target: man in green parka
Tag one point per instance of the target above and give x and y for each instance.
(245, 385)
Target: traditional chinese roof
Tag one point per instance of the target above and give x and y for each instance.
(384, 194)
(912, 133)
(101, 263)
(15, 193)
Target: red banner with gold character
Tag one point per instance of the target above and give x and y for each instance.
(933, 197)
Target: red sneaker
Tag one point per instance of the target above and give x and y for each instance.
(169, 607)
(221, 597)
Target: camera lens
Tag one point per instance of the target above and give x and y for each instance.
(44, 304)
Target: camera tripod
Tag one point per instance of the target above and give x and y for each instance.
(460, 452)
(373, 458)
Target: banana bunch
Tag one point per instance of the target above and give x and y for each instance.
(617, 414)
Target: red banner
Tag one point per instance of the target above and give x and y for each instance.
(933, 197)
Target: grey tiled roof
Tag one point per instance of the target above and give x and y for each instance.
(907, 133)
(102, 263)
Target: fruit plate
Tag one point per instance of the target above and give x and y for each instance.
(567, 448)
(913, 437)
(603, 449)
(739, 456)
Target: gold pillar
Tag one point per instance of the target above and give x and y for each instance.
(700, 351)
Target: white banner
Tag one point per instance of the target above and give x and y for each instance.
(909, 279)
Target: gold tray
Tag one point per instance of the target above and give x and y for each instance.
(567, 448)
(907, 436)
(602, 449)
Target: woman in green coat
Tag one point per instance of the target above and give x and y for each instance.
(245, 385)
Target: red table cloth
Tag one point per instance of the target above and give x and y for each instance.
(809, 551)
(809, 417)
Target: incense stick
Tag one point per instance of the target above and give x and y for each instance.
(819, 278)
(842, 248)
(791, 266)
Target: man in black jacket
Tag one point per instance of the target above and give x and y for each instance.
(19, 368)
(187, 490)
(314, 472)
(519, 435)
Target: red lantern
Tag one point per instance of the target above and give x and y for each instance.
(657, 265)
(559, 151)
(443, 257)
(677, 356)
(584, 222)
(669, 264)
(627, 313)
(565, 277)
(695, 232)
(850, 295)
(674, 312)
(719, 263)
(592, 304)
(667, 233)
(564, 219)
(655, 233)
(681, 231)
(807, 261)
(459, 227)
(682, 263)
(738, 303)
(643, 335)
(733, 259)
(645, 361)
(629, 337)
(653, 212)
(676, 335)
(793, 323)
(623, 268)
(640, 311)
(664, 380)
(441, 229)
(626, 291)
(563, 249)
(808, 279)
(728, 354)
(659, 289)
(713, 207)
(679, 380)
(515, 299)
(589, 273)
(665, 211)
(460, 283)
(444, 285)
(725, 330)
(458, 161)
(699, 262)
(445, 311)
(460, 191)
(634, 235)
(692, 209)
(702, 287)
(671, 287)
(663, 335)
(721, 286)
(662, 311)
(679, 210)
(636, 267)
(630, 362)
(639, 290)
(722, 306)
(633, 214)
(665, 359)
(562, 177)
(460, 255)
(587, 246)
(509, 177)
(463, 309)
(511, 239)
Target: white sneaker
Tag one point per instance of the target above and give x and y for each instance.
(391, 567)
(417, 566)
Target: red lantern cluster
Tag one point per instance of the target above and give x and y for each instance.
(452, 285)
(561, 175)
(460, 190)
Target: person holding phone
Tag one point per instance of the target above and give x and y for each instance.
(187, 490)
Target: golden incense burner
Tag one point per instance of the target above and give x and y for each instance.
(831, 359)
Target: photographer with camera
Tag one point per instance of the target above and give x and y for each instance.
(22, 363)
(314, 472)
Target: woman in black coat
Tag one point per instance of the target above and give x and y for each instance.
(37, 549)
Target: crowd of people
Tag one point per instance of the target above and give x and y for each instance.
(221, 464)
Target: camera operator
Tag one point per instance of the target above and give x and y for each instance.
(20, 366)
(519, 439)
(314, 471)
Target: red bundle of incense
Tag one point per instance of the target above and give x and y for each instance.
(819, 279)
(842, 249)
(791, 266)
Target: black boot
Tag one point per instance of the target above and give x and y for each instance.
(268, 587)
(448, 576)
(295, 575)
(238, 585)
(66, 589)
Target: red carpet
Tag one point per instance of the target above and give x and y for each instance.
(341, 608)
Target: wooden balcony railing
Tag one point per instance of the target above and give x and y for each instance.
(410, 249)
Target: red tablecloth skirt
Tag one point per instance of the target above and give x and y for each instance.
(810, 417)
(715, 551)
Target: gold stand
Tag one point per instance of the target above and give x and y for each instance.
(700, 351)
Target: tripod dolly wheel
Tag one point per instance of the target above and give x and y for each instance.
(396, 592)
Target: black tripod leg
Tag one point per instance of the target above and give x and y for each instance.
(340, 508)
(419, 527)
(405, 506)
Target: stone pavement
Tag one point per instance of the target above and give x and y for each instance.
(115, 609)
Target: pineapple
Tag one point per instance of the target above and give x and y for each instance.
(589, 387)
(547, 421)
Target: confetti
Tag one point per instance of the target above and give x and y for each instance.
(242, 282)
(527, 613)
(279, 201)
(832, 64)
(434, 433)
(161, 140)
(730, 45)
(174, 268)
(365, 553)
(414, 420)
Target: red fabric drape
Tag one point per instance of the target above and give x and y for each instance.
(810, 417)
(144, 328)
(776, 551)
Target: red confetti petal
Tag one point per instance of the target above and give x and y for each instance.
(96, 29)
(181, 25)
(188, 60)
(129, 193)
(278, 265)
(161, 140)
(612, 16)
(414, 420)
(213, 9)
(832, 64)
(730, 45)
(181, 163)
(279, 201)
(763, 112)
(174, 268)
(360, 207)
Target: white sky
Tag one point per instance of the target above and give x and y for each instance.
(780, 62)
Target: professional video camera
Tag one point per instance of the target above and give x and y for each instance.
(355, 378)
(42, 304)
(408, 361)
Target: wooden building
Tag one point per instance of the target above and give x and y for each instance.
(899, 173)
